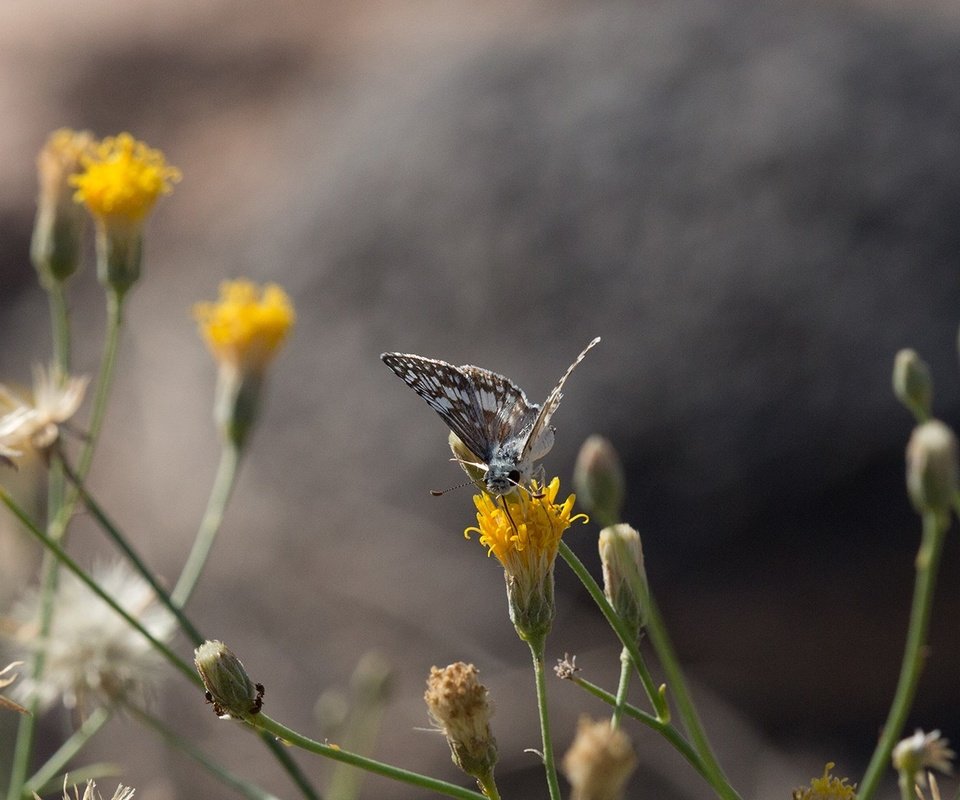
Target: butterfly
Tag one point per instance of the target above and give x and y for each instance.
(490, 414)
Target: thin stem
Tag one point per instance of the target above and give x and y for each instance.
(627, 637)
(264, 723)
(671, 668)
(927, 564)
(489, 786)
(536, 650)
(59, 760)
(62, 556)
(60, 324)
(110, 528)
(678, 688)
(665, 729)
(243, 786)
(626, 669)
(213, 516)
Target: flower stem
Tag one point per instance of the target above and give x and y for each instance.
(284, 734)
(927, 564)
(626, 669)
(212, 518)
(537, 650)
(489, 786)
(665, 729)
(132, 556)
(244, 787)
(56, 763)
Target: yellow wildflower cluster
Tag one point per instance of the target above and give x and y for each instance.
(827, 787)
(247, 326)
(123, 179)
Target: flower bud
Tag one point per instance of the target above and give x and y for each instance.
(228, 686)
(458, 705)
(599, 762)
(598, 479)
(58, 230)
(932, 473)
(624, 576)
(912, 383)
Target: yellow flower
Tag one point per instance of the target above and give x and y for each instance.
(57, 232)
(247, 326)
(123, 179)
(523, 530)
(827, 788)
(244, 331)
(120, 184)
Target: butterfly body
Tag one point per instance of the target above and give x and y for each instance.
(489, 413)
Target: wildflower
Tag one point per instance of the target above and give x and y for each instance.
(827, 787)
(121, 182)
(599, 762)
(228, 687)
(244, 331)
(932, 472)
(624, 578)
(58, 229)
(6, 702)
(37, 422)
(598, 479)
(523, 531)
(920, 752)
(459, 706)
(91, 793)
(91, 652)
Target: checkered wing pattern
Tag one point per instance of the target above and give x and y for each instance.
(540, 438)
(481, 407)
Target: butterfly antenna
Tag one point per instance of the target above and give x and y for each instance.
(442, 492)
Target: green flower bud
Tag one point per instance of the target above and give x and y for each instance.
(624, 576)
(598, 480)
(228, 686)
(912, 383)
(932, 472)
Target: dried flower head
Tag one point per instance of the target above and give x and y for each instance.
(913, 756)
(58, 230)
(91, 653)
(827, 787)
(523, 531)
(599, 762)
(6, 702)
(459, 707)
(566, 668)
(36, 421)
(90, 792)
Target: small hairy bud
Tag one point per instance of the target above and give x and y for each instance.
(912, 383)
(228, 686)
(598, 480)
(932, 473)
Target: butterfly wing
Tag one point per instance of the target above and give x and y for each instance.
(478, 405)
(540, 438)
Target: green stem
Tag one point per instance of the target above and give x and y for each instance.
(132, 556)
(927, 564)
(244, 787)
(489, 786)
(60, 323)
(213, 516)
(626, 669)
(671, 667)
(665, 729)
(62, 556)
(264, 723)
(59, 760)
(627, 637)
(108, 362)
(536, 650)
(678, 689)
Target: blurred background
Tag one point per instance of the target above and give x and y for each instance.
(755, 205)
